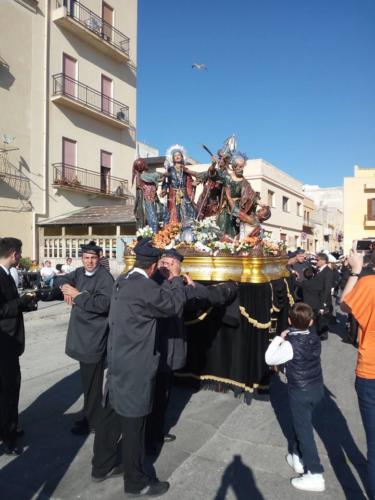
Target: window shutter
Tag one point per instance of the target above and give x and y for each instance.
(370, 211)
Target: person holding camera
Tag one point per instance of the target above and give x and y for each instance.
(300, 348)
(12, 343)
(358, 298)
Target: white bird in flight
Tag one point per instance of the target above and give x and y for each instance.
(199, 66)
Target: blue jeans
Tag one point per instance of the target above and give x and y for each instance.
(302, 404)
(366, 399)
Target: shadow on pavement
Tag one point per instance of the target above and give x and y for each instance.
(49, 446)
(240, 479)
(333, 429)
(181, 393)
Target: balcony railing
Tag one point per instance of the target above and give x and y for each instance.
(90, 98)
(97, 25)
(80, 179)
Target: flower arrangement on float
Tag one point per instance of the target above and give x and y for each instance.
(204, 238)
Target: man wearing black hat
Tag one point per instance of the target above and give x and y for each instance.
(300, 264)
(88, 289)
(171, 339)
(133, 360)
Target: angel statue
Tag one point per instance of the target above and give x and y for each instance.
(238, 214)
(178, 186)
(148, 209)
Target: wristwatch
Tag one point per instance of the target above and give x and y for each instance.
(355, 274)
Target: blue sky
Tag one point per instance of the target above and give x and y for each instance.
(294, 80)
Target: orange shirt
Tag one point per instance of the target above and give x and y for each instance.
(361, 301)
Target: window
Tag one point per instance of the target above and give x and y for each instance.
(299, 205)
(271, 198)
(371, 209)
(106, 95)
(283, 236)
(70, 76)
(105, 171)
(285, 204)
(69, 159)
(107, 15)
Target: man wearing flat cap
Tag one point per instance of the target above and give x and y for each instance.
(133, 359)
(171, 339)
(88, 290)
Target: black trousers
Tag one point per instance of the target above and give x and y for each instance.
(92, 385)
(302, 404)
(10, 383)
(322, 323)
(108, 445)
(155, 421)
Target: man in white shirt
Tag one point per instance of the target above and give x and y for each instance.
(48, 273)
(67, 267)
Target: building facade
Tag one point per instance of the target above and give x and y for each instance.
(308, 236)
(68, 101)
(284, 195)
(359, 206)
(328, 218)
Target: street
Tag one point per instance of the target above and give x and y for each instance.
(224, 448)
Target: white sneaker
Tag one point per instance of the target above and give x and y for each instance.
(309, 482)
(295, 463)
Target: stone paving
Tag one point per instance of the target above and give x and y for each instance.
(224, 448)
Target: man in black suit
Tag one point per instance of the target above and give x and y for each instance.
(325, 277)
(12, 342)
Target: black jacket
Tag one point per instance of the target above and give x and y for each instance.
(325, 277)
(312, 293)
(136, 305)
(304, 370)
(88, 326)
(12, 331)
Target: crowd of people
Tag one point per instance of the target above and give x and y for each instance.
(134, 326)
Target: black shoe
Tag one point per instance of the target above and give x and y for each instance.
(324, 336)
(155, 489)
(115, 472)
(168, 438)
(13, 449)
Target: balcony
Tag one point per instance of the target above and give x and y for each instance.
(368, 223)
(308, 223)
(87, 181)
(76, 95)
(93, 29)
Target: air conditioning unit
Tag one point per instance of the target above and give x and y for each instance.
(121, 116)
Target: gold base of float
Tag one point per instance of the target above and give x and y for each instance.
(242, 269)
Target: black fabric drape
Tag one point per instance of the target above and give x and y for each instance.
(226, 354)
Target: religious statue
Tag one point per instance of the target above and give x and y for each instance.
(238, 210)
(214, 179)
(148, 210)
(178, 186)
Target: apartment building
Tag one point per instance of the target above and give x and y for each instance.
(68, 115)
(283, 193)
(328, 217)
(309, 240)
(359, 206)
